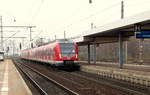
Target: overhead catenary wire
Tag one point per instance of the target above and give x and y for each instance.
(105, 20)
(138, 2)
(83, 19)
(133, 6)
(37, 11)
(36, 36)
(78, 21)
(91, 15)
(11, 36)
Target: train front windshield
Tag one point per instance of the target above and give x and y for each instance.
(67, 49)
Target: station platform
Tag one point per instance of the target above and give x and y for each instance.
(134, 66)
(133, 76)
(11, 82)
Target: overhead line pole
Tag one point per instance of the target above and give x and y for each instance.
(30, 27)
(1, 26)
(1, 33)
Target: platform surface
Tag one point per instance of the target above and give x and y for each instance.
(133, 66)
(11, 82)
(140, 77)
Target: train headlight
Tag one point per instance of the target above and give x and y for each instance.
(59, 55)
(76, 55)
(73, 51)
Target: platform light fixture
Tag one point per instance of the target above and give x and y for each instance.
(90, 1)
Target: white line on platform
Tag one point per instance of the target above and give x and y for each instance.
(25, 85)
(5, 82)
(4, 89)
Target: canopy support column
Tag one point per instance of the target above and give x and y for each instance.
(94, 55)
(89, 54)
(121, 55)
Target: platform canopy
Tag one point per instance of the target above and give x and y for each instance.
(110, 32)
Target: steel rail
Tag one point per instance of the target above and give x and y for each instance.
(31, 80)
(124, 89)
(69, 91)
(121, 88)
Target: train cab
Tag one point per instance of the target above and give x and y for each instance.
(66, 53)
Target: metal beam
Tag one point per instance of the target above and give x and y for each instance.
(88, 39)
(108, 39)
(14, 37)
(94, 56)
(18, 26)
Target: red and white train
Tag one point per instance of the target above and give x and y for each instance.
(60, 53)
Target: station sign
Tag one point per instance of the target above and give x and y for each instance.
(143, 34)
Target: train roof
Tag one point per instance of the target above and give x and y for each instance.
(64, 40)
(54, 41)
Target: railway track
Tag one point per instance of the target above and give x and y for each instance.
(89, 84)
(44, 85)
(130, 89)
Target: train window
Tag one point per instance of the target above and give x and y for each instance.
(51, 52)
(67, 49)
(44, 53)
(48, 52)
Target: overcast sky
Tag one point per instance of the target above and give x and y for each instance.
(53, 17)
